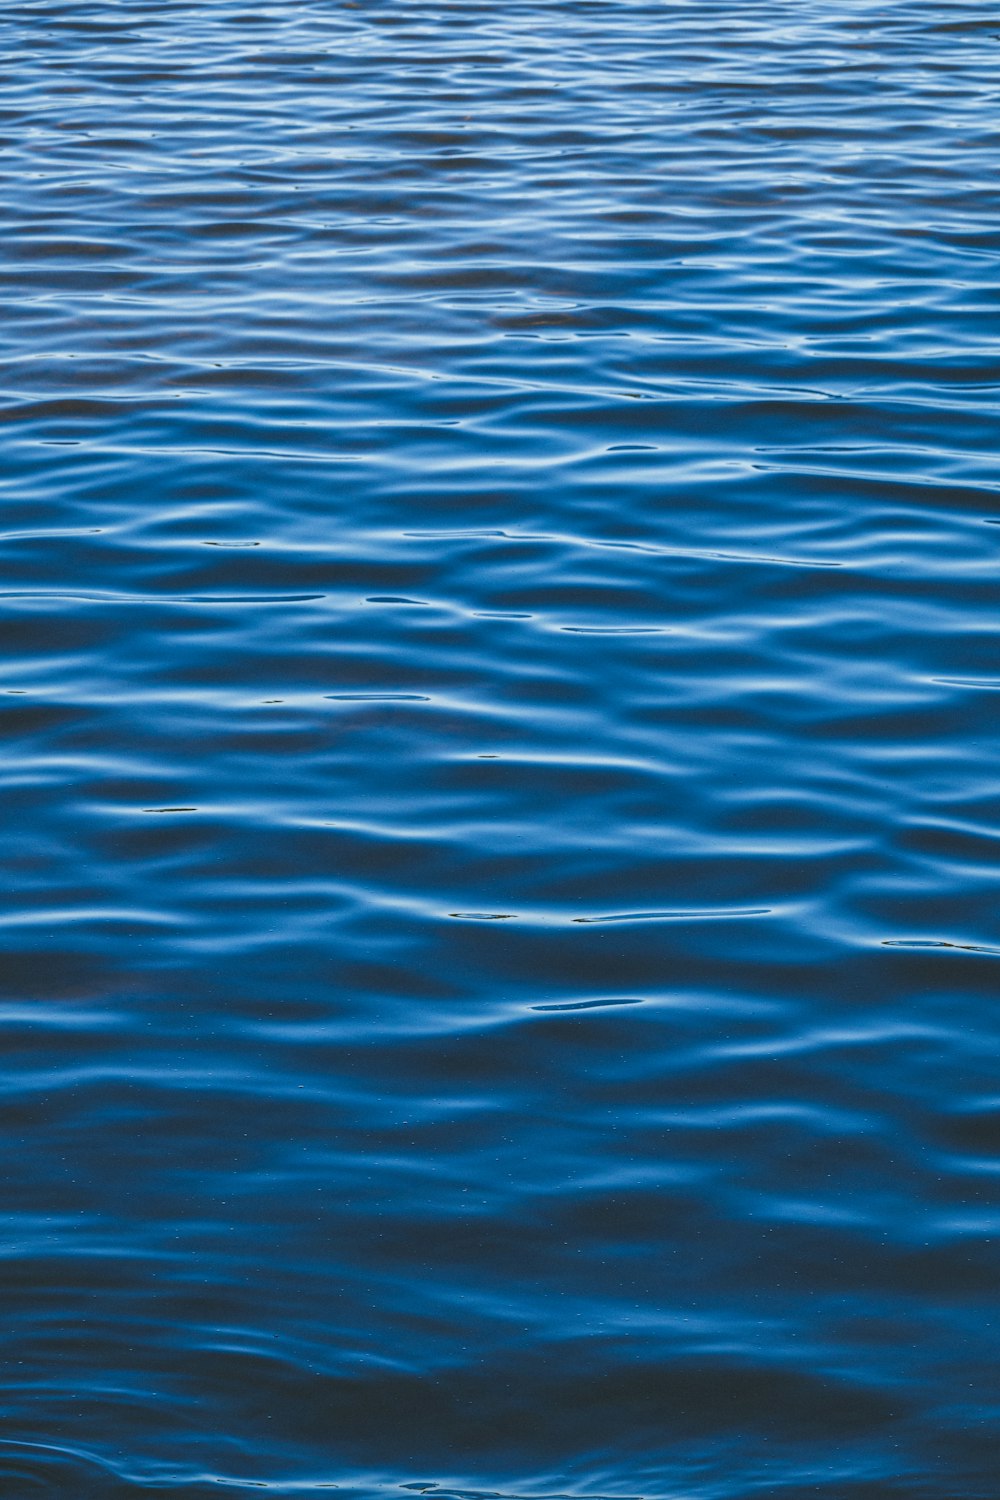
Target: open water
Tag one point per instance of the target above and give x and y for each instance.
(499, 593)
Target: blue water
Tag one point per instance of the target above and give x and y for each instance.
(500, 948)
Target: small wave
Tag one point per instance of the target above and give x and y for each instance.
(681, 914)
(586, 1004)
(615, 629)
(396, 599)
(925, 943)
(484, 916)
(145, 599)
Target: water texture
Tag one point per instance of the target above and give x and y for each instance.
(500, 671)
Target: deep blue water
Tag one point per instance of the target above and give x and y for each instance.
(500, 665)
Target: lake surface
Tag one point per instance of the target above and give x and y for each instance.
(500, 949)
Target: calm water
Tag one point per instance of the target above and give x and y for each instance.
(499, 686)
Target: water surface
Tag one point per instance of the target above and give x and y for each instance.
(499, 603)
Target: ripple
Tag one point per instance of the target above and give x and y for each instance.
(586, 1004)
(937, 943)
(691, 914)
(484, 916)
